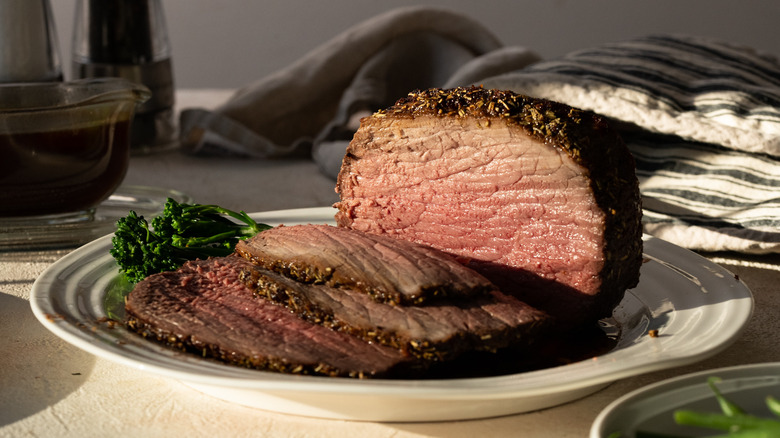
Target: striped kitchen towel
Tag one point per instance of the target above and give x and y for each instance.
(702, 118)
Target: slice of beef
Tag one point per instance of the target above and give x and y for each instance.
(390, 270)
(437, 331)
(539, 197)
(205, 308)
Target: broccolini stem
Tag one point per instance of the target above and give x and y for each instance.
(181, 232)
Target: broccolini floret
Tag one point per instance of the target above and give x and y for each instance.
(180, 233)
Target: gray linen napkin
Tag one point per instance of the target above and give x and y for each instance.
(318, 100)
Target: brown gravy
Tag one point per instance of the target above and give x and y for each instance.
(51, 172)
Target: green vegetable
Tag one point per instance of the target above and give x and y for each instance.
(726, 422)
(726, 405)
(114, 301)
(773, 404)
(180, 233)
(732, 420)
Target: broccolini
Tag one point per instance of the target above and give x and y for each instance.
(181, 232)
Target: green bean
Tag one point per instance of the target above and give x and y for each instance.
(728, 407)
(749, 433)
(734, 422)
(773, 404)
(733, 419)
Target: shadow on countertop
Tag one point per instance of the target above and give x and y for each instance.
(37, 369)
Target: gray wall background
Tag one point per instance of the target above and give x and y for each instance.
(228, 43)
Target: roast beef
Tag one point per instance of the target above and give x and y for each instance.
(390, 270)
(539, 197)
(205, 308)
(437, 331)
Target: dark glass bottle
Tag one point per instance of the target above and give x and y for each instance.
(129, 39)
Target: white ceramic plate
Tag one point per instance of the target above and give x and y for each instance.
(650, 409)
(697, 307)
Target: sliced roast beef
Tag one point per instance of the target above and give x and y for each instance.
(390, 270)
(539, 197)
(204, 307)
(436, 331)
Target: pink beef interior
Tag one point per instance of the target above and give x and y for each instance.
(492, 195)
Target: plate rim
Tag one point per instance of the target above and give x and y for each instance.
(501, 387)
